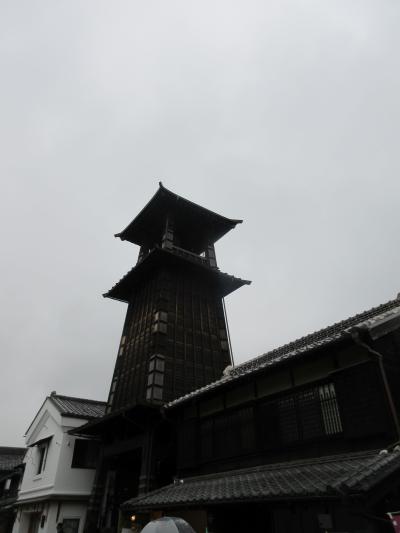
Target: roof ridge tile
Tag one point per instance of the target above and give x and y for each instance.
(75, 398)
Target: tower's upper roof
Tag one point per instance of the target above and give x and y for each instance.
(195, 224)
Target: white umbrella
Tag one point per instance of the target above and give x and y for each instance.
(168, 524)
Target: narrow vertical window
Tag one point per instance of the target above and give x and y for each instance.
(160, 322)
(155, 378)
(42, 449)
(330, 409)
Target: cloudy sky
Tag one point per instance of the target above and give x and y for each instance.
(282, 112)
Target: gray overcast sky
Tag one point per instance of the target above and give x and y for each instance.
(283, 113)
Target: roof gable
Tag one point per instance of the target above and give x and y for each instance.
(68, 406)
(41, 426)
(39, 419)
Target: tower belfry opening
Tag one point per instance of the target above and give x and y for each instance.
(175, 336)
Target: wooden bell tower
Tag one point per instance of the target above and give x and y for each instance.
(175, 336)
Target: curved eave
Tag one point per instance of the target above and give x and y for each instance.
(123, 290)
(163, 201)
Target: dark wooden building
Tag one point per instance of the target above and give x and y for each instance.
(175, 339)
(175, 336)
(302, 439)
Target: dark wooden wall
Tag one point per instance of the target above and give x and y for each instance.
(345, 411)
(177, 314)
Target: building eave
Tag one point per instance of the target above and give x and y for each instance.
(123, 289)
(165, 200)
(64, 496)
(351, 475)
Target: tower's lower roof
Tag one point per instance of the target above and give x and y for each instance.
(122, 290)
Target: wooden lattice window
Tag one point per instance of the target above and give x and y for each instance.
(155, 378)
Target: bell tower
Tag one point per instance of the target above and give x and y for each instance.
(175, 336)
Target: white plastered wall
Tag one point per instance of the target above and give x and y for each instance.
(57, 480)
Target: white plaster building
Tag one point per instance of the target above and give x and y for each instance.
(59, 467)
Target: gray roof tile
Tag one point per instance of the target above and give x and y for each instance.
(10, 457)
(330, 476)
(78, 407)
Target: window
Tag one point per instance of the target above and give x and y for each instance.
(157, 393)
(330, 409)
(161, 315)
(160, 327)
(42, 449)
(155, 378)
(229, 434)
(85, 454)
(70, 525)
(288, 420)
(210, 254)
(224, 345)
(309, 413)
(160, 322)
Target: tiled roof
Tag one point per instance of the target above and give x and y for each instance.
(122, 290)
(333, 476)
(209, 225)
(10, 457)
(293, 349)
(78, 407)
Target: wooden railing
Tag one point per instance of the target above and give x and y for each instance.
(190, 255)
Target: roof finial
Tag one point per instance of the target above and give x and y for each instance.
(161, 185)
